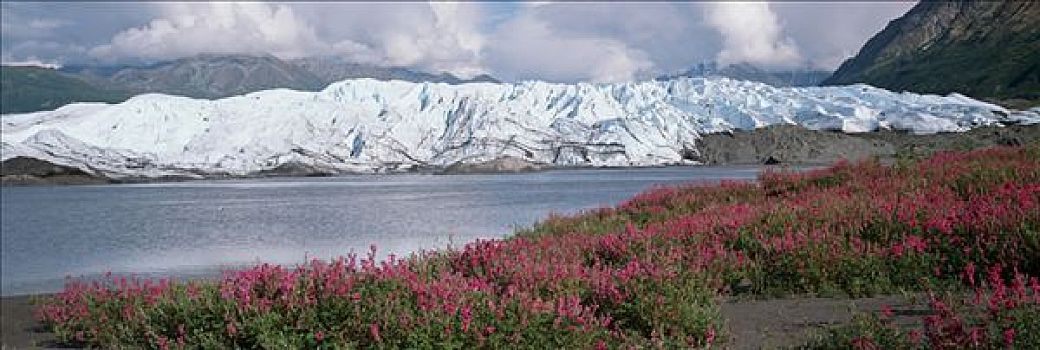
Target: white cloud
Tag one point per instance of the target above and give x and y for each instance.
(30, 61)
(751, 33)
(16, 26)
(559, 41)
(45, 51)
(47, 24)
(189, 29)
(448, 41)
(528, 48)
(829, 32)
(436, 36)
(667, 36)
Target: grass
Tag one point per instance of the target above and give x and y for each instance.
(647, 273)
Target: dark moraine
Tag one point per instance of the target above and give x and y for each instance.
(32, 171)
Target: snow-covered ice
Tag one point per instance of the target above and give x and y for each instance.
(366, 125)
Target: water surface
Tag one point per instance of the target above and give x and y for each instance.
(197, 228)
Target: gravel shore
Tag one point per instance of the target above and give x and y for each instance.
(18, 327)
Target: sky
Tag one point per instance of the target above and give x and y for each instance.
(554, 41)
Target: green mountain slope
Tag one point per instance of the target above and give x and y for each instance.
(214, 76)
(987, 50)
(29, 89)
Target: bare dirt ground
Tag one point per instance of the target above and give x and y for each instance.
(793, 322)
(787, 144)
(18, 328)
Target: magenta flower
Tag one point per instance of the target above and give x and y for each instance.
(1009, 337)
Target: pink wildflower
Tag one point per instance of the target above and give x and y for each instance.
(887, 311)
(1009, 337)
(374, 331)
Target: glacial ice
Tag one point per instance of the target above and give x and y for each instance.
(366, 125)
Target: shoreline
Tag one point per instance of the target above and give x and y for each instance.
(777, 145)
(44, 182)
(18, 328)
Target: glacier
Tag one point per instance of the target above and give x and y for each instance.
(365, 125)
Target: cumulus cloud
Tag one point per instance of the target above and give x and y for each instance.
(435, 36)
(528, 48)
(556, 41)
(751, 33)
(448, 41)
(189, 29)
(45, 51)
(599, 41)
(830, 32)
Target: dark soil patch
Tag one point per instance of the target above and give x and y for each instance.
(793, 322)
(789, 144)
(32, 171)
(18, 328)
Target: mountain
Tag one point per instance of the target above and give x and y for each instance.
(333, 69)
(210, 76)
(28, 89)
(985, 49)
(216, 76)
(365, 125)
(745, 71)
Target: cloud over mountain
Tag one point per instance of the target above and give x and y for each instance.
(548, 40)
(186, 29)
(751, 33)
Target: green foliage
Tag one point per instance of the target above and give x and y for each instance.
(866, 331)
(950, 324)
(676, 314)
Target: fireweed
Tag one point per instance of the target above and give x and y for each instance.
(1003, 311)
(645, 273)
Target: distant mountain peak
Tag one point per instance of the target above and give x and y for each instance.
(805, 76)
(214, 76)
(332, 68)
(201, 76)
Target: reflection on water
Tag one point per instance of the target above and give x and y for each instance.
(192, 229)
